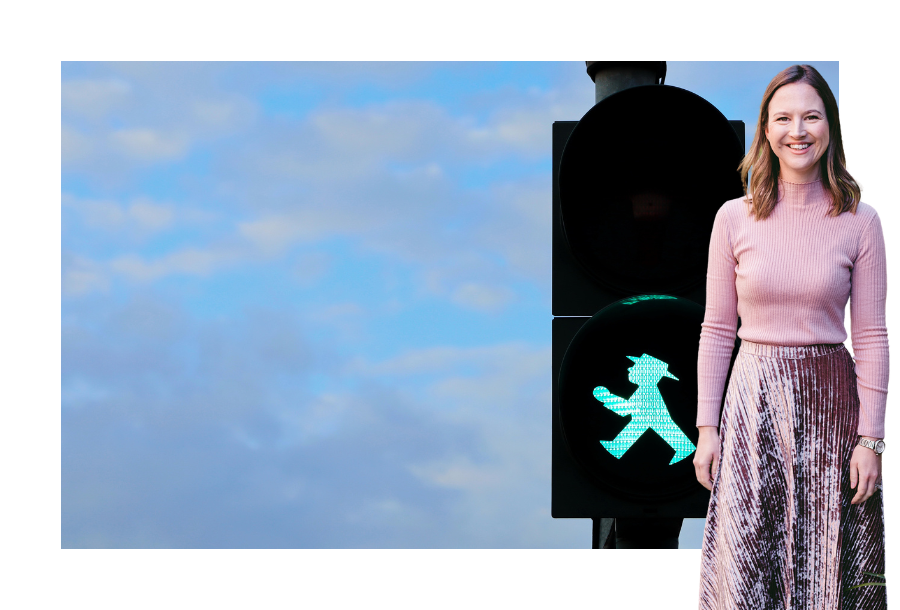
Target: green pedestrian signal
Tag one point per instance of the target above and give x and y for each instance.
(627, 396)
(647, 409)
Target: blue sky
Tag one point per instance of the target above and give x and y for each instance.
(307, 305)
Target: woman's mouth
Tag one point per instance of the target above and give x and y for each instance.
(803, 146)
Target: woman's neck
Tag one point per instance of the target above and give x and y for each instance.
(787, 174)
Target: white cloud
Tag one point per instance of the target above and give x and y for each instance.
(142, 214)
(76, 146)
(388, 129)
(457, 473)
(93, 98)
(393, 177)
(522, 123)
(500, 395)
(323, 417)
(151, 215)
(310, 267)
(522, 131)
(347, 321)
(275, 232)
(81, 276)
(470, 276)
(78, 392)
(344, 145)
(142, 217)
(519, 227)
(217, 113)
(516, 357)
(338, 310)
(501, 392)
(143, 116)
(148, 144)
(385, 174)
(482, 297)
(188, 261)
(503, 380)
(98, 213)
(349, 144)
(412, 362)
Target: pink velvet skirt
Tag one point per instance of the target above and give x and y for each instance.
(781, 532)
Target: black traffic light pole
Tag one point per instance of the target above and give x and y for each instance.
(609, 197)
(612, 76)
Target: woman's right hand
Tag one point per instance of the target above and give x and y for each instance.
(706, 458)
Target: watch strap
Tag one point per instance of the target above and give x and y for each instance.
(876, 446)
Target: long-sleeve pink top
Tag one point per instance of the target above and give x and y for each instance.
(788, 279)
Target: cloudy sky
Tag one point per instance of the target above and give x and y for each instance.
(307, 305)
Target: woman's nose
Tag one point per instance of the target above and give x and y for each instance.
(798, 130)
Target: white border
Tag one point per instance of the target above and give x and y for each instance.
(38, 573)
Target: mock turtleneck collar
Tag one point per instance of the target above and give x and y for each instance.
(803, 194)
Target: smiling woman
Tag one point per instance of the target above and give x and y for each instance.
(795, 516)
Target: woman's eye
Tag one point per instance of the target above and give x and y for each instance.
(781, 118)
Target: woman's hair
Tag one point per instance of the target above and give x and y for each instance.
(836, 180)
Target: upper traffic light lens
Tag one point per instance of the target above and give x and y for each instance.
(640, 181)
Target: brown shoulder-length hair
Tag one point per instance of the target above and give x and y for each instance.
(836, 180)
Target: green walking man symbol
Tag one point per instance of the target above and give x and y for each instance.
(647, 409)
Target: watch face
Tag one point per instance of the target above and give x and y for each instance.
(879, 446)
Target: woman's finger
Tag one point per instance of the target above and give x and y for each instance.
(860, 496)
(870, 488)
(867, 485)
(700, 476)
(703, 475)
(865, 489)
(855, 482)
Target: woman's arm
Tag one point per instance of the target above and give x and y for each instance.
(868, 292)
(719, 323)
(716, 346)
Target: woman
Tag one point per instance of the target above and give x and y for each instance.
(795, 515)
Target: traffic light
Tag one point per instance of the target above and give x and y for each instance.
(629, 369)
(637, 183)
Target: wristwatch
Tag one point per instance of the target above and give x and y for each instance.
(876, 446)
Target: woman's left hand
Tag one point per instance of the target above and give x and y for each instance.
(865, 473)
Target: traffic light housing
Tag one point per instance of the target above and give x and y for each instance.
(636, 186)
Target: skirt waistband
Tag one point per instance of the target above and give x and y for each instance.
(790, 351)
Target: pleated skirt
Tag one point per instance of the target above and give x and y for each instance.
(781, 532)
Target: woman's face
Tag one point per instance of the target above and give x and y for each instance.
(797, 131)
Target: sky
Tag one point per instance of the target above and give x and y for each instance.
(307, 304)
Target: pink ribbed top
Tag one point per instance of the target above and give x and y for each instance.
(788, 278)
